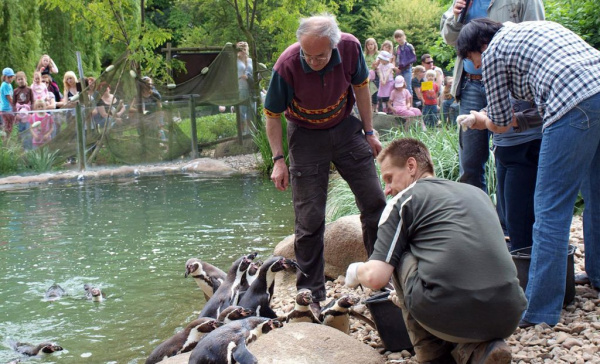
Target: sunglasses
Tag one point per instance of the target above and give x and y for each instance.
(430, 62)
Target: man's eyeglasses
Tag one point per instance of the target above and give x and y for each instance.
(313, 59)
(429, 62)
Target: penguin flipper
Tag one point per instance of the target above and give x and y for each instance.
(242, 355)
(215, 283)
(362, 318)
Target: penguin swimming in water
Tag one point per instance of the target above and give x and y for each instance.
(93, 293)
(183, 341)
(228, 343)
(338, 311)
(233, 313)
(35, 350)
(302, 311)
(207, 276)
(54, 293)
(228, 292)
(259, 294)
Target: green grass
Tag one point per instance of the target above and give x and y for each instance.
(41, 159)
(211, 128)
(262, 142)
(10, 154)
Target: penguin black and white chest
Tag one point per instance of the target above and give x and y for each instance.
(183, 341)
(252, 272)
(228, 344)
(336, 313)
(35, 350)
(207, 276)
(258, 296)
(233, 313)
(93, 293)
(302, 311)
(54, 293)
(228, 292)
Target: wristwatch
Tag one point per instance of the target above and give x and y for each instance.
(277, 157)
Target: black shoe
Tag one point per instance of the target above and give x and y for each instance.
(525, 324)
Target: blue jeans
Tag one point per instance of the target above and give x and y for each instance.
(569, 160)
(474, 145)
(449, 111)
(516, 170)
(407, 75)
(430, 115)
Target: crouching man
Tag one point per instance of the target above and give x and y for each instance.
(442, 244)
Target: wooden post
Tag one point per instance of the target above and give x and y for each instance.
(80, 139)
(193, 125)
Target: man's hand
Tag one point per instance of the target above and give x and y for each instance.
(352, 275)
(465, 121)
(458, 6)
(280, 175)
(375, 144)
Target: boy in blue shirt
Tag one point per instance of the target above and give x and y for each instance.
(6, 100)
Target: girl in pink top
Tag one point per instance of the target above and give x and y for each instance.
(401, 102)
(42, 124)
(40, 89)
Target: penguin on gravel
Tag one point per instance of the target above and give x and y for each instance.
(183, 341)
(336, 313)
(93, 293)
(258, 297)
(207, 276)
(302, 311)
(233, 313)
(228, 343)
(228, 292)
(35, 350)
(54, 293)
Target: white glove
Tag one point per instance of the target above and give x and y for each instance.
(352, 275)
(466, 121)
(394, 298)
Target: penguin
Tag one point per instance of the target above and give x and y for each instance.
(35, 350)
(54, 293)
(302, 311)
(336, 313)
(252, 272)
(93, 293)
(233, 313)
(259, 294)
(183, 341)
(228, 292)
(207, 276)
(228, 343)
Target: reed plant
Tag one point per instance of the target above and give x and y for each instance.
(10, 152)
(443, 146)
(41, 159)
(261, 140)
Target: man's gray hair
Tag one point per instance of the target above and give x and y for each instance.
(322, 26)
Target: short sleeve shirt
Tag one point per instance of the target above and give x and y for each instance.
(5, 90)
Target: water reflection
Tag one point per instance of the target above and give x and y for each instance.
(131, 238)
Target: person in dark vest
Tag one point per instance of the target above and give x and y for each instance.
(405, 56)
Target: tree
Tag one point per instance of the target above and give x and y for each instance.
(581, 16)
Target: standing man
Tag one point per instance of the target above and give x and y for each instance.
(442, 244)
(547, 63)
(316, 82)
(468, 87)
(427, 62)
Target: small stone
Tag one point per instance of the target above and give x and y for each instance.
(589, 306)
(570, 342)
(395, 356)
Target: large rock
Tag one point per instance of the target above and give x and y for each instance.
(343, 245)
(305, 343)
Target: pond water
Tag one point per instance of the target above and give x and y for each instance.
(131, 238)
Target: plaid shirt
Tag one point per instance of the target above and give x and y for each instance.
(539, 61)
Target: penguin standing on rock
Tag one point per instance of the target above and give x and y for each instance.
(302, 311)
(228, 292)
(207, 276)
(35, 350)
(228, 343)
(183, 341)
(233, 313)
(258, 296)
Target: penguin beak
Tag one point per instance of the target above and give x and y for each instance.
(290, 263)
(252, 255)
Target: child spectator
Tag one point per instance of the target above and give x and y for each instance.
(42, 124)
(22, 120)
(46, 65)
(417, 77)
(22, 94)
(371, 53)
(401, 102)
(52, 88)
(430, 91)
(6, 100)
(385, 71)
(388, 47)
(405, 56)
(40, 89)
(449, 104)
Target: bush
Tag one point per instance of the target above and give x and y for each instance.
(211, 128)
(41, 159)
(10, 152)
